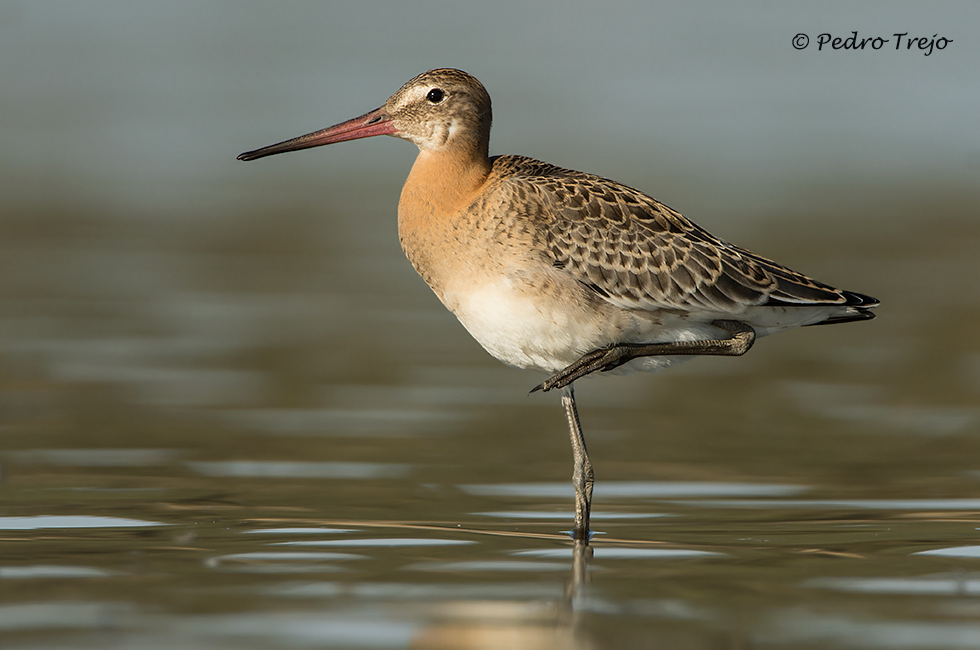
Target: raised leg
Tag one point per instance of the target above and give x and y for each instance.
(582, 476)
(741, 339)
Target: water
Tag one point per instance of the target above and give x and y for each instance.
(211, 445)
(231, 416)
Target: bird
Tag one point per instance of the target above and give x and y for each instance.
(564, 272)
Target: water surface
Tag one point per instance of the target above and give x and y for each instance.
(231, 416)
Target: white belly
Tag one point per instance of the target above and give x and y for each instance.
(547, 326)
(526, 330)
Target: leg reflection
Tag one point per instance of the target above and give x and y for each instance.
(575, 587)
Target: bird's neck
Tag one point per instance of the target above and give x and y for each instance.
(434, 201)
(442, 183)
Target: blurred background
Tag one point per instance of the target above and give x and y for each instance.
(209, 346)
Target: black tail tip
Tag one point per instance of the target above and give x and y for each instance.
(859, 307)
(859, 300)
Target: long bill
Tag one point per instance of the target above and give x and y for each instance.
(377, 122)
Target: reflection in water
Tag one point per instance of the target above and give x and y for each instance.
(582, 554)
(475, 625)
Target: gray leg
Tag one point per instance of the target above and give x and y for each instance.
(743, 336)
(582, 477)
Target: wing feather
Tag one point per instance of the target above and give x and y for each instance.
(636, 252)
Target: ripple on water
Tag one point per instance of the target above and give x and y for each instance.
(371, 421)
(415, 591)
(934, 585)
(298, 469)
(953, 551)
(38, 522)
(95, 457)
(298, 531)
(51, 571)
(488, 566)
(605, 552)
(855, 504)
(282, 562)
(347, 629)
(276, 556)
(55, 615)
(866, 404)
(394, 542)
(637, 489)
(562, 516)
(820, 629)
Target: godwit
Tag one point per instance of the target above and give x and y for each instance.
(564, 272)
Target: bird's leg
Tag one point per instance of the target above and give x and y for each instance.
(582, 476)
(741, 339)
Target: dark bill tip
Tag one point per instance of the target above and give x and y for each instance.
(377, 122)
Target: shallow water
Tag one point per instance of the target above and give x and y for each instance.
(250, 432)
(232, 416)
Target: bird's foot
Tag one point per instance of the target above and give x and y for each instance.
(604, 359)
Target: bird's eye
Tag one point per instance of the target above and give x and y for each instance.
(436, 95)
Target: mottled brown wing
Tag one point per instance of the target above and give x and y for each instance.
(637, 252)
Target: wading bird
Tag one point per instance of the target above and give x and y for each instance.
(564, 272)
